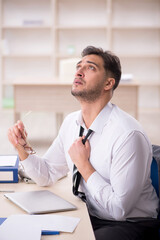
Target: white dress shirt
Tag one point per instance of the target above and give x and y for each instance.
(121, 154)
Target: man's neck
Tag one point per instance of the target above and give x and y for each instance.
(91, 110)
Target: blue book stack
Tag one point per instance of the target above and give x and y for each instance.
(9, 174)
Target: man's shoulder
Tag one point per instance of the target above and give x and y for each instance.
(124, 121)
(124, 126)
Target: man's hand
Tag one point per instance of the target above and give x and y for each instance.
(17, 134)
(80, 154)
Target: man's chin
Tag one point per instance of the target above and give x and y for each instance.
(75, 93)
(80, 96)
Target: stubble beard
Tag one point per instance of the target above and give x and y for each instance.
(89, 95)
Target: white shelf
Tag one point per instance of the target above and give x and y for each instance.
(138, 55)
(87, 27)
(27, 80)
(65, 56)
(27, 56)
(136, 27)
(29, 27)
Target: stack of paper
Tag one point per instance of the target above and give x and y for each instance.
(18, 227)
(9, 169)
(7, 161)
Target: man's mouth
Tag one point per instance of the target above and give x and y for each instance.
(78, 81)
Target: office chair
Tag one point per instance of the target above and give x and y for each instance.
(155, 168)
(155, 173)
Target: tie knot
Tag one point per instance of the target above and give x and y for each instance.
(87, 135)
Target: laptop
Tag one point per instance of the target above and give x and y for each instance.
(39, 202)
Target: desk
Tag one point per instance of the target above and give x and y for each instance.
(57, 97)
(62, 188)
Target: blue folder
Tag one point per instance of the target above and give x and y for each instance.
(13, 169)
(44, 232)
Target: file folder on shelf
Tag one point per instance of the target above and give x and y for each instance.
(44, 232)
(9, 174)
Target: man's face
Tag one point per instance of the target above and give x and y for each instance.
(89, 79)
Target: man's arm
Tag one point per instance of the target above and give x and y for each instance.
(129, 172)
(46, 170)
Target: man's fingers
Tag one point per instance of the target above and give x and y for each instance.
(12, 137)
(87, 144)
(16, 131)
(20, 125)
(22, 129)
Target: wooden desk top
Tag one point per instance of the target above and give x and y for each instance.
(62, 188)
(59, 83)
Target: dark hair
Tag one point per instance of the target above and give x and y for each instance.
(112, 64)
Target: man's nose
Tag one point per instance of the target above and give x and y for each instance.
(80, 73)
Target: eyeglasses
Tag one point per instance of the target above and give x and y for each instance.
(28, 148)
(27, 145)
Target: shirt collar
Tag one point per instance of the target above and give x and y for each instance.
(100, 121)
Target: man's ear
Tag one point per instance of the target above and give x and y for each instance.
(109, 84)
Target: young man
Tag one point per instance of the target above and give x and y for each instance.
(113, 164)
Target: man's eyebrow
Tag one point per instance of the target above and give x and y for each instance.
(79, 62)
(89, 62)
(93, 63)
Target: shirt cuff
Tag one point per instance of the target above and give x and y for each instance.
(28, 162)
(96, 183)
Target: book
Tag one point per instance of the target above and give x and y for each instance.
(9, 168)
(44, 232)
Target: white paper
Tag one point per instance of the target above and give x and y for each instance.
(56, 222)
(18, 227)
(15, 228)
(8, 161)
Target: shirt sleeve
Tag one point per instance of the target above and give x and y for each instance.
(51, 167)
(130, 168)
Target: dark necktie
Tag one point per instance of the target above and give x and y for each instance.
(76, 173)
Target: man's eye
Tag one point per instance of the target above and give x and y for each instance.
(77, 67)
(92, 68)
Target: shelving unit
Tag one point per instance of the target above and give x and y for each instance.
(136, 39)
(35, 35)
(27, 42)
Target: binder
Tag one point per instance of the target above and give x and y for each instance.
(44, 232)
(9, 174)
